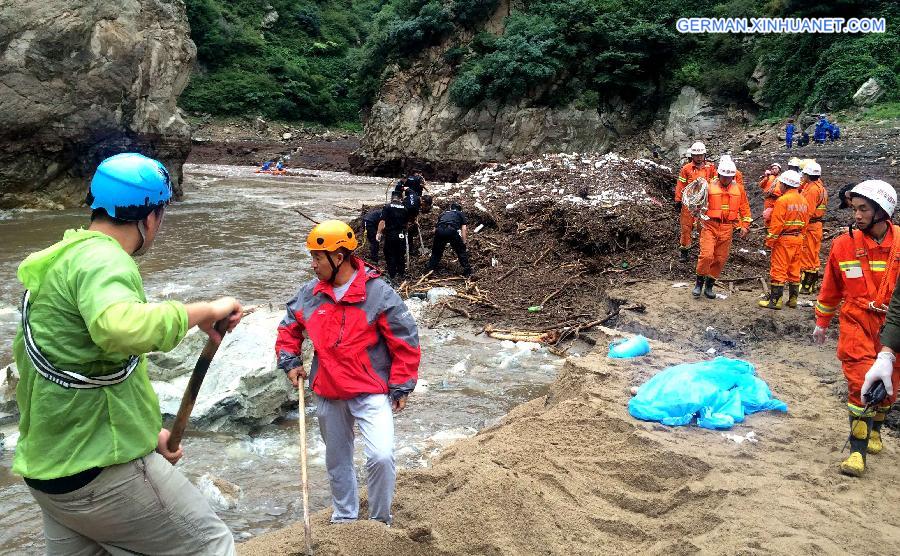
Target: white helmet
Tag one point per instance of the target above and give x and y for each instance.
(790, 178)
(795, 162)
(776, 165)
(879, 192)
(698, 148)
(726, 166)
(812, 169)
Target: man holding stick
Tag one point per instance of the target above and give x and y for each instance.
(365, 364)
(92, 448)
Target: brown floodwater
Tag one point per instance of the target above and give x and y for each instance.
(236, 233)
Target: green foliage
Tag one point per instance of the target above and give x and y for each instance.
(883, 111)
(298, 67)
(324, 60)
(469, 13)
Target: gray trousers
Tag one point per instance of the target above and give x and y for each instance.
(144, 506)
(376, 424)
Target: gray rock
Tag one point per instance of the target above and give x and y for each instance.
(242, 389)
(9, 379)
(692, 117)
(82, 80)
(868, 93)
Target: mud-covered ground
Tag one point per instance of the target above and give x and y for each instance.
(572, 473)
(244, 143)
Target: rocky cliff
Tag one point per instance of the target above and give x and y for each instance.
(84, 79)
(414, 122)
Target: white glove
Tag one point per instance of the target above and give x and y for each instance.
(819, 335)
(881, 369)
(378, 237)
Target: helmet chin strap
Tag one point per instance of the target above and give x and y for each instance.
(334, 268)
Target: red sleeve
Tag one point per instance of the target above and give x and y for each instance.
(399, 330)
(832, 291)
(681, 184)
(289, 342)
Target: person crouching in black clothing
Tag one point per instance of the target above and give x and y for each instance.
(392, 229)
(451, 228)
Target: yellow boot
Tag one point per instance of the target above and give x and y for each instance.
(854, 465)
(859, 439)
(875, 443)
(774, 299)
(875, 446)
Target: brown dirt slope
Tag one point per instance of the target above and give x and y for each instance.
(573, 473)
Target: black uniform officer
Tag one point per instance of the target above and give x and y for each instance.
(392, 230)
(370, 223)
(451, 228)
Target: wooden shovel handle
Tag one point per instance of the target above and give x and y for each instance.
(193, 387)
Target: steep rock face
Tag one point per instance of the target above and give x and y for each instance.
(414, 122)
(84, 79)
(691, 117)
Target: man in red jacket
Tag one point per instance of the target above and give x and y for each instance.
(365, 364)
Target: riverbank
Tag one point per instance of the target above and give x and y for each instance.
(571, 471)
(250, 142)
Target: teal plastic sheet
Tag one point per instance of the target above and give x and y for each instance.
(717, 393)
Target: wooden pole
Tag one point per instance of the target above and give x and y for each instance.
(304, 484)
(193, 387)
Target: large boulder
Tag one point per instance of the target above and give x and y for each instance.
(692, 116)
(9, 379)
(242, 389)
(868, 93)
(84, 79)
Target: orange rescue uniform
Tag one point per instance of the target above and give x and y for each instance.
(771, 195)
(790, 216)
(690, 172)
(817, 197)
(727, 209)
(862, 274)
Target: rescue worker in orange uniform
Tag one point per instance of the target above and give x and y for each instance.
(861, 272)
(812, 188)
(790, 215)
(698, 167)
(739, 176)
(770, 196)
(769, 178)
(727, 209)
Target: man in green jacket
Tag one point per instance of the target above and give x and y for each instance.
(92, 448)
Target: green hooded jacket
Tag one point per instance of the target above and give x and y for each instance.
(88, 314)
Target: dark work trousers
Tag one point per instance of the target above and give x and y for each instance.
(395, 253)
(371, 232)
(443, 236)
(413, 231)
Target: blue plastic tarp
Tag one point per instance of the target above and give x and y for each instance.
(718, 393)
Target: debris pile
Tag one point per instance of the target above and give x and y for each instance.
(549, 236)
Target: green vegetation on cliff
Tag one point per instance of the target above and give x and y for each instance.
(286, 59)
(323, 60)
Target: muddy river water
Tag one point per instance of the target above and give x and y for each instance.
(235, 233)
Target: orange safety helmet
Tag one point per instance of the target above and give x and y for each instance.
(330, 236)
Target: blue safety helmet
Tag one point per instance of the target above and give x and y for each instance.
(129, 186)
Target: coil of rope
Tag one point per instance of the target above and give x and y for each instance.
(695, 196)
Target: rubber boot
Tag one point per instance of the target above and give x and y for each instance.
(855, 465)
(875, 444)
(804, 283)
(698, 286)
(708, 292)
(813, 280)
(774, 300)
(684, 254)
(793, 292)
